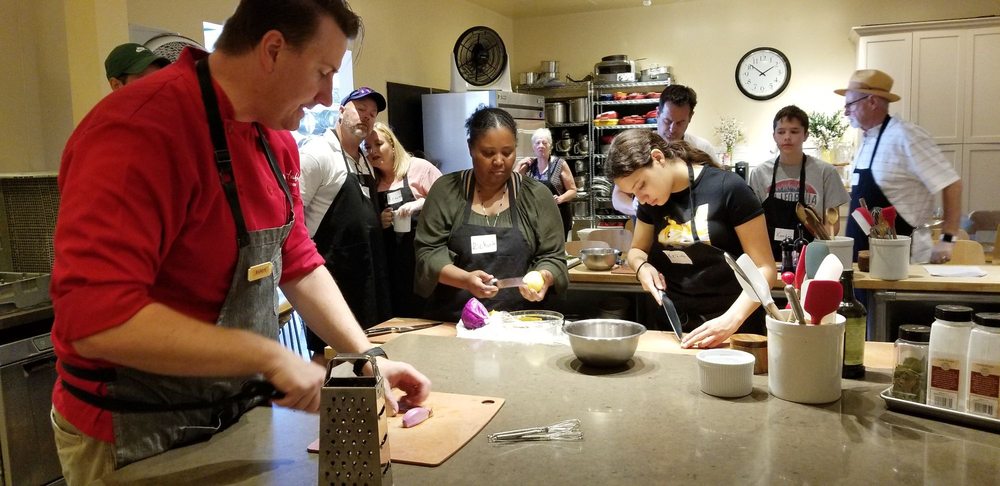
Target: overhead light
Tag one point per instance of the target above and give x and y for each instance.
(646, 3)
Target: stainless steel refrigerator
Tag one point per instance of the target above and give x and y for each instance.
(444, 115)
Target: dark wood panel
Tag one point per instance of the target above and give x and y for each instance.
(406, 114)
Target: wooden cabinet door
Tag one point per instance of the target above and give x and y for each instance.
(890, 53)
(982, 104)
(937, 95)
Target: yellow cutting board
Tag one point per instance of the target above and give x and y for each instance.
(457, 419)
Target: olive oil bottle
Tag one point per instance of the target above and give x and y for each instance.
(854, 329)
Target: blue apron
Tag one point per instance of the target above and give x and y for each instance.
(868, 189)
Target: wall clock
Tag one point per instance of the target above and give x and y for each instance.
(763, 73)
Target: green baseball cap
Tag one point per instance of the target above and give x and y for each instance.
(131, 59)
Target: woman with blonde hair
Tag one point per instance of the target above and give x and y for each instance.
(690, 212)
(403, 183)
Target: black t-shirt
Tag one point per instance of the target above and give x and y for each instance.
(724, 200)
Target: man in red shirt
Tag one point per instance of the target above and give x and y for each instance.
(179, 217)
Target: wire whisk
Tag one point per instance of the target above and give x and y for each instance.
(567, 430)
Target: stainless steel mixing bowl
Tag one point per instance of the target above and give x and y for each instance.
(604, 342)
(600, 258)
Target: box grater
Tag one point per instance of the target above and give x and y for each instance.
(353, 435)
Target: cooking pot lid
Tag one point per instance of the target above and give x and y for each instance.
(615, 57)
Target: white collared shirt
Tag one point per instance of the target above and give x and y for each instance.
(323, 174)
(909, 168)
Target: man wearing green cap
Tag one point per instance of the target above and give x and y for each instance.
(129, 62)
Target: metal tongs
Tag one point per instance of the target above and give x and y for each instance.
(567, 430)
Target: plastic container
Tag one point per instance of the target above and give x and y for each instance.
(909, 376)
(948, 357)
(983, 396)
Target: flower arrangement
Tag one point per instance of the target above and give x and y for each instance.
(730, 132)
(826, 128)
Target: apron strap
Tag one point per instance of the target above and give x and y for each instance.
(878, 140)
(802, 179)
(250, 390)
(266, 147)
(223, 159)
(691, 201)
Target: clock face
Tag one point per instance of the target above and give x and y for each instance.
(763, 73)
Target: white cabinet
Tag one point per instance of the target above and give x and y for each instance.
(891, 54)
(982, 101)
(937, 90)
(948, 75)
(980, 179)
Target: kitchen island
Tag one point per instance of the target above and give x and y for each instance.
(919, 286)
(647, 423)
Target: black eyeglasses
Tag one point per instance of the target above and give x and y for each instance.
(848, 105)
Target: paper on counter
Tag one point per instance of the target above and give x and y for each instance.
(954, 271)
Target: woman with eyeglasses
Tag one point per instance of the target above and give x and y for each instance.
(690, 212)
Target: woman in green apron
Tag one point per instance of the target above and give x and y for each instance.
(691, 212)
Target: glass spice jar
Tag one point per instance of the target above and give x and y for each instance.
(909, 376)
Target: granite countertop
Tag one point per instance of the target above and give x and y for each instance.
(648, 423)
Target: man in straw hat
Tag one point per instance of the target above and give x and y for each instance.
(898, 165)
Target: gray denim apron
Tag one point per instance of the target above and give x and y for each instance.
(152, 413)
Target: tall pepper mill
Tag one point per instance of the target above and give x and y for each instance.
(353, 430)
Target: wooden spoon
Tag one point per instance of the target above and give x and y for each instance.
(832, 216)
(808, 217)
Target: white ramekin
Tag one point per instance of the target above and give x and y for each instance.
(726, 373)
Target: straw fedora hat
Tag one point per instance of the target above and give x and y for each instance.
(870, 81)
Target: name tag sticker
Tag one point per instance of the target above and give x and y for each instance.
(484, 244)
(259, 271)
(678, 257)
(781, 233)
(855, 178)
(364, 190)
(395, 197)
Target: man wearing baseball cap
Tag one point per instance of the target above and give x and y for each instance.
(342, 210)
(129, 62)
(898, 165)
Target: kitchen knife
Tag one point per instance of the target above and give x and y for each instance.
(378, 331)
(504, 283)
(675, 320)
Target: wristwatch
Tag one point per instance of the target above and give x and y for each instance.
(947, 237)
(359, 365)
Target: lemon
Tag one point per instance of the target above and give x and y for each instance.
(534, 281)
